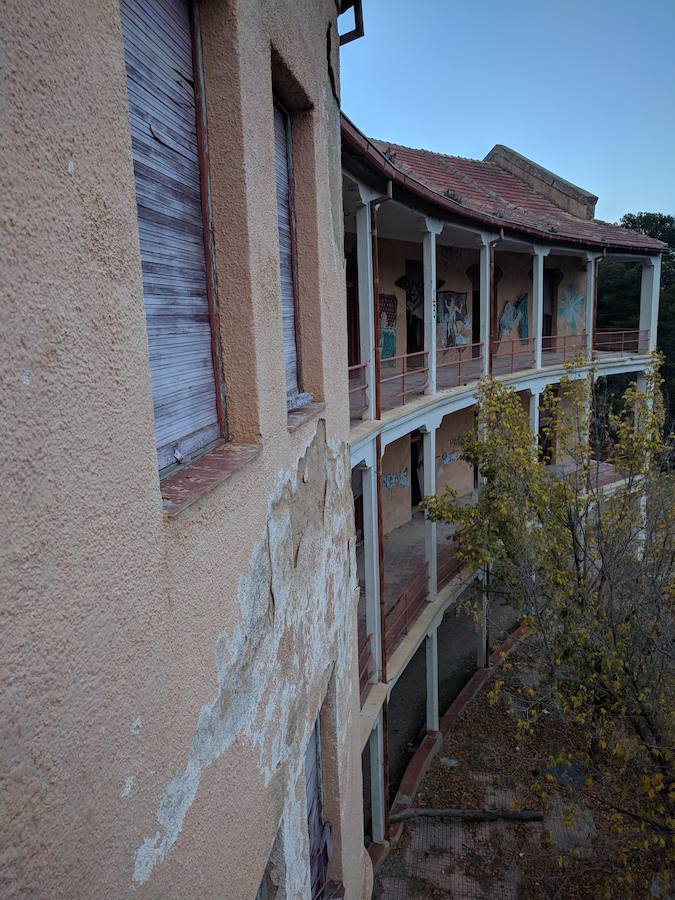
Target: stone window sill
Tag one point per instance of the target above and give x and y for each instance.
(299, 416)
(187, 485)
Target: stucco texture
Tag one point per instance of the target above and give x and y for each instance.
(160, 678)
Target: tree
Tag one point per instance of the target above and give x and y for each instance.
(590, 573)
(619, 294)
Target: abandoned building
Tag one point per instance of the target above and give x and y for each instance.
(241, 341)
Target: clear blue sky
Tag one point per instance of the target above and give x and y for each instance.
(584, 87)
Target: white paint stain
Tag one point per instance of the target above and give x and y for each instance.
(136, 726)
(128, 788)
(25, 378)
(72, 167)
(246, 659)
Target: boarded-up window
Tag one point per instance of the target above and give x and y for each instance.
(295, 398)
(166, 153)
(319, 831)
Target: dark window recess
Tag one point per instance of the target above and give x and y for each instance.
(353, 339)
(320, 846)
(552, 278)
(167, 147)
(295, 397)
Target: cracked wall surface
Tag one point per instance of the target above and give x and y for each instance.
(160, 678)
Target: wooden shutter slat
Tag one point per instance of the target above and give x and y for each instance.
(294, 398)
(165, 149)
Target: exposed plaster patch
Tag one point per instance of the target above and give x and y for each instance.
(296, 605)
(128, 788)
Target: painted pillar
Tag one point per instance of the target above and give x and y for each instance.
(433, 227)
(485, 288)
(372, 568)
(429, 457)
(538, 301)
(591, 275)
(481, 655)
(377, 788)
(649, 303)
(431, 645)
(364, 257)
(534, 414)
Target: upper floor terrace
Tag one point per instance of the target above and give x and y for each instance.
(460, 268)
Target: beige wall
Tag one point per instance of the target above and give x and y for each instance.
(160, 678)
(516, 280)
(450, 471)
(396, 499)
(571, 308)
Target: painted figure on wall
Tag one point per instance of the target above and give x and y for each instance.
(388, 305)
(571, 310)
(453, 326)
(513, 321)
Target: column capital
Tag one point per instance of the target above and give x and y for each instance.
(366, 194)
(540, 251)
(435, 226)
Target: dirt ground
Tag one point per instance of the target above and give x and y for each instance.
(569, 854)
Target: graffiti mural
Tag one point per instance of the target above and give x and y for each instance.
(388, 304)
(401, 478)
(453, 323)
(571, 309)
(513, 321)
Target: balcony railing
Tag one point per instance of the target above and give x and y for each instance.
(621, 343)
(458, 365)
(557, 348)
(358, 391)
(511, 355)
(405, 610)
(366, 665)
(448, 565)
(402, 377)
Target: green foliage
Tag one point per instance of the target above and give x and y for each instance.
(619, 294)
(590, 572)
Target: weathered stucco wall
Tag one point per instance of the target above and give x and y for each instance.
(160, 678)
(571, 300)
(396, 484)
(450, 470)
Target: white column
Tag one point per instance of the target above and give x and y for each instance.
(429, 458)
(433, 227)
(371, 560)
(649, 301)
(591, 275)
(364, 258)
(481, 655)
(485, 297)
(534, 414)
(377, 798)
(538, 301)
(431, 644)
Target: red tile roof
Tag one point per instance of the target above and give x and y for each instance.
(481, 190)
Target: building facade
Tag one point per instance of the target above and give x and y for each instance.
(456, 269)
(216, 582)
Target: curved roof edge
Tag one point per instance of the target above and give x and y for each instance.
(607, 237)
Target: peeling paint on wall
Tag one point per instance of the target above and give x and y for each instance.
(296, 604)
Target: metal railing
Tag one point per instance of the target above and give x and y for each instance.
(358, 387)
(405, 610)
(561, 347)
(410, 379)
(366, 665)
(621, 343)
(458, 364)
(512, 354)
